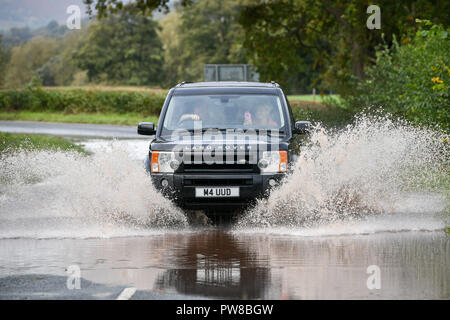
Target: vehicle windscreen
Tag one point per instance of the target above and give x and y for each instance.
(224, 111)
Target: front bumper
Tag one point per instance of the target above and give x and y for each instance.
(181, 188)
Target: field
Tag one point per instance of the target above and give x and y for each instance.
(310, 97)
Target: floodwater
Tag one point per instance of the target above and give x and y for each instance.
(357, 220)
(221, 264)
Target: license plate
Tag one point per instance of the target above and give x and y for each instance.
(217, 192)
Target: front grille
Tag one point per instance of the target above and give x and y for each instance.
(231, 168)
(218, 182)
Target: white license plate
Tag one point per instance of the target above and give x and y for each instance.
(216, 192)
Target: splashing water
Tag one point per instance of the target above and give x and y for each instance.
(368, 168)
(357, 175)
(67, 194)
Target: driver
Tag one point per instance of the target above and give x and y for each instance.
(199, 113)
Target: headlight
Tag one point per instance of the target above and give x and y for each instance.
(273, 162)
(164, 162)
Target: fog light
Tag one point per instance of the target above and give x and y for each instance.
(174, 164)
(272, 182)
(262, 164)
(164, 183)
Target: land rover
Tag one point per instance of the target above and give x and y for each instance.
(221, 145)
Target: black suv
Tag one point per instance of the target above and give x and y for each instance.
(221, 145)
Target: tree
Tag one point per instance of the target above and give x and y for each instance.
(106, 7)
(3, 59)
(27, 58)
(205, 32)
(122, 48)
(16, 36)
(170, 37)
(334, 32)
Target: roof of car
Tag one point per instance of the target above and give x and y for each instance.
(225, 84)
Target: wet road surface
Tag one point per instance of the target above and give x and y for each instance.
(71, 129)
(218, 264)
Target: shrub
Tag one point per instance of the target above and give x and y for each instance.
(410, 80)
(80, 100)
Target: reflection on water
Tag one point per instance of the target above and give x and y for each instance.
(216, 264)
(222, 264)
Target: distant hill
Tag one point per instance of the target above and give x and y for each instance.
(35, 13)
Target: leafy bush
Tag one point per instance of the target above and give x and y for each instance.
(410, 80)
(79, 100)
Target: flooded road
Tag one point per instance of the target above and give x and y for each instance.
(222, 264)
(340, 228)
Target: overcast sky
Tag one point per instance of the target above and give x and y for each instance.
(35, 13)
(38, 13)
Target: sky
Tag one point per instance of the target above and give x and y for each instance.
(35, 13)
(38, 13)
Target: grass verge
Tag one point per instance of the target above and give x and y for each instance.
(310, 97)
(93, 118)
(11, 142)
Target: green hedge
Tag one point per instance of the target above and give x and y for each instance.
(79, 100)
(331, 116)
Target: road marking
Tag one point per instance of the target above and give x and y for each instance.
(126, 294)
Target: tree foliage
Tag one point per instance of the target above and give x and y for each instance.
(123, 48)
(3, 60)
(334, 32)
(106, 7)
(26, 59)
(16, 36)
(205, 32)
(411, 80)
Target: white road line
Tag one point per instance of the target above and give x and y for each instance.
(126, 294)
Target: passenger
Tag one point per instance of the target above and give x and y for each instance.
(248, 121)
(262, 117)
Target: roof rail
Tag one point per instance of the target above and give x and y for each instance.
(181, 83)
(275, 84)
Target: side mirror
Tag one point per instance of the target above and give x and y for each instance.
(302, 127)
(146, 128)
